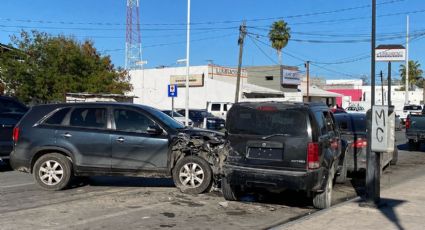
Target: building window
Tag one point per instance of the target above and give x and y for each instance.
(269, 78)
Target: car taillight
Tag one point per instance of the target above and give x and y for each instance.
(359, 143)
(407, 123)
(313, 156)
(15, 135)
(267, 108)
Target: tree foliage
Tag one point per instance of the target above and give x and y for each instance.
(415, 73)
(279, 35)
(43, 68)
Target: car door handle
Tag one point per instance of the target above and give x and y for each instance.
(67, 135)
(120, 139)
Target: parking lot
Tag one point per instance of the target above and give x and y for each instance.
(134, 203)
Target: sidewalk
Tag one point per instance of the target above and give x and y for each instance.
(404, 209)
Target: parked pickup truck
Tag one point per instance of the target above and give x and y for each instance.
(415, 130)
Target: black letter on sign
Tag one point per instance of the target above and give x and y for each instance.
(379, 138)
(381, 115)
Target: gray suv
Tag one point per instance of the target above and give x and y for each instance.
(57, 142)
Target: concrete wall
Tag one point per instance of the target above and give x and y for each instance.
(154, 90)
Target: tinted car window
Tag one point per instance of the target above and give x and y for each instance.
(88, 117)
(10, 106)
(412, 107)
(215, 107)
(131, 121)
(351, 123)
(258, 122)
(320, 121)
(225, 107)
(57, 117)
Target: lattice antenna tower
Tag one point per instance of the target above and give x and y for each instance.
(133, 44)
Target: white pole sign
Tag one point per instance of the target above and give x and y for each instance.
(380, 129)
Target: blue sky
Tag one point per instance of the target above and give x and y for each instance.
(323, 31)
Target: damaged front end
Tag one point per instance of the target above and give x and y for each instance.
(210, 146)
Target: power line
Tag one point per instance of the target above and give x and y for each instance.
(340, 10)
(262, 51)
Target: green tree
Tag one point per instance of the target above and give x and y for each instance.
(415, 74)
(279, 36)
(43, 68)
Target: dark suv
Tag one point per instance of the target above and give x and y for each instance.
(57, 142)
(280, 146)
(11, 111)
(201, 116)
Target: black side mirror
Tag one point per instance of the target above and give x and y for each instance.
(154, 130)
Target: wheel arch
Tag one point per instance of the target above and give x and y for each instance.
(50, 149)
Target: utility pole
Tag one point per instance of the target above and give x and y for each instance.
(382, 88)
(389, 84)
(307, 66)
(373, 165)
(211, 63)
(242, 33)
(406, 101)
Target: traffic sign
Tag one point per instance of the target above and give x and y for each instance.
(172, 90)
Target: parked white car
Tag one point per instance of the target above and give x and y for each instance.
(410, 109)
(355, 109)
(178, 117)
(219, 109)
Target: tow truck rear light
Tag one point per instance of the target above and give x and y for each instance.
(360, 143)
(407, 123)
(313, 155)
(15, 135)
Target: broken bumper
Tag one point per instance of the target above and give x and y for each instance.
(266, 178)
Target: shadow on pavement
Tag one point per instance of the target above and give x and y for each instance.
(121, 181)
(387, 208)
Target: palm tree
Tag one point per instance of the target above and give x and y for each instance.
(279, 36)
(415, 73)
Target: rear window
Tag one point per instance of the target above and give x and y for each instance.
(10, 106)
(412, 107)
(258, 122)
(352, 124)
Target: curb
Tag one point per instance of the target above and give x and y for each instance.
(314, 214)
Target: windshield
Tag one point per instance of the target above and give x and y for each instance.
(167, 120)
(172, 114)
(245, 120)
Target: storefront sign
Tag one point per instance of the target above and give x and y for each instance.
(291, 77)
(387, 55)
(226, 72)
(195, 80)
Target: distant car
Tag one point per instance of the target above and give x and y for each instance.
(219, 109)
(410, 109)
(353, 130)
(178, 117)
(11, 111)
(202, 119)
(355, 109)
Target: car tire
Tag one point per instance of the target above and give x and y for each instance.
(230, 192)
(53, 171)
(323, 199)
(192, 175)
(342, 177)
(395, 157)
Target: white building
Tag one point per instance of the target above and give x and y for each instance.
(207, 84)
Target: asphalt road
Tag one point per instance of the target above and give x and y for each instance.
(145, 203)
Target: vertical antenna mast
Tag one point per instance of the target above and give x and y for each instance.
(133, 45)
